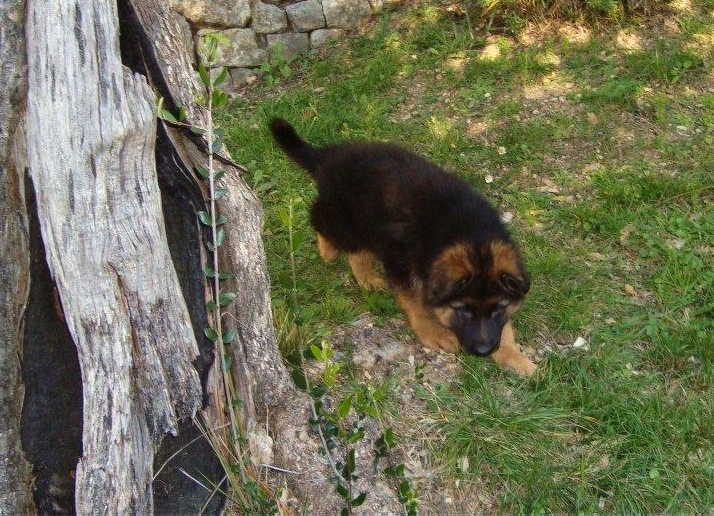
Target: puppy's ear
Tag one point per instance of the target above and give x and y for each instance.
(450, 273)
(514, 286)
(508, 271)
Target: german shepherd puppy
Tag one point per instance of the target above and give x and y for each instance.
(452, 265)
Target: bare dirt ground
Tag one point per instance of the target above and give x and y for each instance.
(386, 352)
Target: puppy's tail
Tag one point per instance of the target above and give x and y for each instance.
(298, 149)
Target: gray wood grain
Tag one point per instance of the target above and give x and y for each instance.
(90, 135)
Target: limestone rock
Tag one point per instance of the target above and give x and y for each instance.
(291, 43)
(306, 16)
(240, 50)
(222, 13)
(268, 19)
(320, 36)
(345, 14)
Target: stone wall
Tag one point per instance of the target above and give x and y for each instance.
(254, 29)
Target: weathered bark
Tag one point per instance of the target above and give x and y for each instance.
(15, 497)
(90, 136)
(114, 348)
(275, 414)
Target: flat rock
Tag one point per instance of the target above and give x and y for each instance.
(321, 36)
(345, 14)
(240, 50)
(268, 19)
(306, 16)
(291, 43)
(220, 13)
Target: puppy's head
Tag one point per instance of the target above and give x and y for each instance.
(474, 289)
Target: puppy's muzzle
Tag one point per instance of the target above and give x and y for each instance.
(480, 337)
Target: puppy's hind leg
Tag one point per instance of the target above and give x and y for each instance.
(362, 264)
(509, 356)
(328, 252)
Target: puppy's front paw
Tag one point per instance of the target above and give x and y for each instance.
(523, 367)
(511, 358)
(439, 338)
(373, 282)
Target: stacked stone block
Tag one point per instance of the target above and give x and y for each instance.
(253, 29)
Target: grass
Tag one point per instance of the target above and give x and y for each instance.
(602, 151)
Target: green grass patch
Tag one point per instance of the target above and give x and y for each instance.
(612, 191)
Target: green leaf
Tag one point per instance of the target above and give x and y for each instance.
(329, 375)
(209, 272)
(220, 237)
(342, 490)
(404, 489)
(203, 74)
(317, 391)
(226, 299)
(219, 175)
(330, 429)
(298, 239)
(221, 220)
(284, 216)
(220, 194)
(389, 436)
(229, 336)
(197, 130)
(219, 98)
(210, 247)
(228, 362)
(205, 218)
(211, 48)
(351, 465)
(202, 171)
(316, 352)
(217, 145)
(356, 502)
(222, 77)
(356, 436)
(211, 305)
(211, 334)
(182, 114)
(299, 378)
(344, 408)
(225, 275)
(166, 115)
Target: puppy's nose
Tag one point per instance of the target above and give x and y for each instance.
(484, 348)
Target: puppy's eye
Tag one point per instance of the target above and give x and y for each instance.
(499, 308)
(460, 285)
(461, 310)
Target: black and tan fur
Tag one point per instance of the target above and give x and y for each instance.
(451, 264)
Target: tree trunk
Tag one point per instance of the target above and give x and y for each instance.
(112, 296)
(15, 472)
